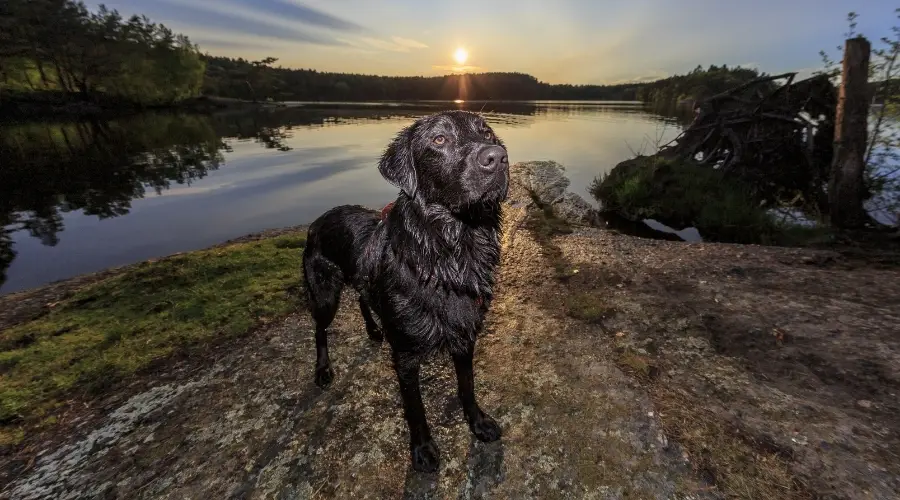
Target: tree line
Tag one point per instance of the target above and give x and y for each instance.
(59, 46)
(666, 94)
(259, 80)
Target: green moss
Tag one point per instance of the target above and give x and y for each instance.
(634, 363)
(683, 194)
(150, 311)
(588, 307)
(11, 436)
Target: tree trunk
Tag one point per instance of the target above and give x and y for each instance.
(847, 190)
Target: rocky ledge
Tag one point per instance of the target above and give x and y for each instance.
(619, 367)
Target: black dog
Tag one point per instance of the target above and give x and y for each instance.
(426, 268)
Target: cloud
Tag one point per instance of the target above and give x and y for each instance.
(383, 44)
(309, 15)
(244, 44)
(408, 42)
(240, 18)
(396, 44)
(226, 26)
(284, 20)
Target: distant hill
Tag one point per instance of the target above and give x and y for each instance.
(244, 79)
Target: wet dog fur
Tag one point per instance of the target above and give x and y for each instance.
(426, 271)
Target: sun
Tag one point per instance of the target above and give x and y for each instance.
(461, 55)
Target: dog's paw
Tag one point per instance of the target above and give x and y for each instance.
(425, 457)
(324, 376)
(486, 429)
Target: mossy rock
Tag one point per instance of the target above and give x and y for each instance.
(683, 194)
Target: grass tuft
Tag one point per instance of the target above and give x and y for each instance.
(112, 329)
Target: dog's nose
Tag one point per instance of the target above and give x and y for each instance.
(492, 157)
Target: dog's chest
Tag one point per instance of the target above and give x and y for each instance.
(439, 303)
(435, 318)
(471, 263)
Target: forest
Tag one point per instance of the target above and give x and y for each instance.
(50, 47)
(665, 94)
(244, 79)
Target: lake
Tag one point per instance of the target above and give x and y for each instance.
(82, 196)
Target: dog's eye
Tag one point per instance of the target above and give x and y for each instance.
(488, 136)
(439, 140)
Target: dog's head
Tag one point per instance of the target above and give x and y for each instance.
(453, 159)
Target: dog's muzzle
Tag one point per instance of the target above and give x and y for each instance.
(493, 158)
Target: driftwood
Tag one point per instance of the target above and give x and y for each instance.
(776, 138)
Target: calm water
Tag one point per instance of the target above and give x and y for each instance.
(79, 197)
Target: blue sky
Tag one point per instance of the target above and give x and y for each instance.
(558, 41)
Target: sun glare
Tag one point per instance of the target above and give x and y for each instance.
(461, 55)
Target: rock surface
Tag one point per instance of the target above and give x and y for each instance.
(547, 182)
(253, 425)
(776, 347)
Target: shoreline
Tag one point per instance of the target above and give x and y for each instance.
(62, 107)
(869, 247)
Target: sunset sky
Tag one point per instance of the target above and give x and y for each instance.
(561, 41)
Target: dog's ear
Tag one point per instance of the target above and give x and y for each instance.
(397, 164)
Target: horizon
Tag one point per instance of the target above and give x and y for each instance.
(584, 44)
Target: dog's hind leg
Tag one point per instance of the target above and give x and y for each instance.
(423, 451)
(324, 283)
(481, 424)
(372, 328)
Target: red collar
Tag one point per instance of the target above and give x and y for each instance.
(387, 208)
(384, 213)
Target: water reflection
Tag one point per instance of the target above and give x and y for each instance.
(96, 168)
(154, 184)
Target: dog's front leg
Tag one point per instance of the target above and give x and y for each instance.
(425, 455)
(481, 424)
